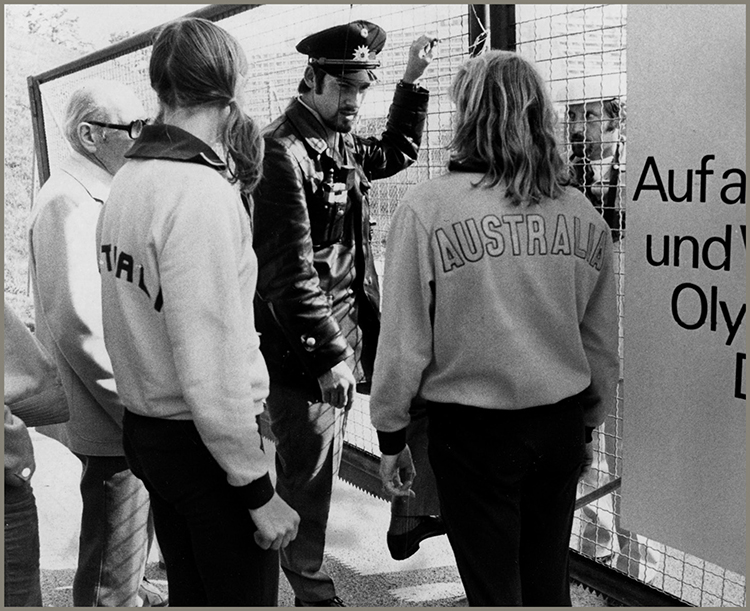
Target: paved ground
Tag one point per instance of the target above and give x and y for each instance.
(357, 557)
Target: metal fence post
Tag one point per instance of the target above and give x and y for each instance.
(37, 121)
(502, 27)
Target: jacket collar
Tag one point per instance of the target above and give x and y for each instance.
(308, 125)
(467, 166)
(95, 179)
(170, 142)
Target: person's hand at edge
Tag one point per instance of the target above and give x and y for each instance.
(277, 524)
(397, 473)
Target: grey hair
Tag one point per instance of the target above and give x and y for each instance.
(93, 101)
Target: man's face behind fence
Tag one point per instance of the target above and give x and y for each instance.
(593, 133)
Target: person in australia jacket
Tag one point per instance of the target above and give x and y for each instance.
(499, 312)
(317, 304)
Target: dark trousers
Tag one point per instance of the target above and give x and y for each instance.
(507, 486)
(22, 577)
(309, 443)
(205, 533)
(115, 534)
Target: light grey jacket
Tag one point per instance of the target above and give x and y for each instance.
(67, 304)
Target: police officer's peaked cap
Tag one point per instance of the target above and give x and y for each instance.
(344, 49)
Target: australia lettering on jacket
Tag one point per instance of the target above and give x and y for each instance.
(125, 268)
(517, 235)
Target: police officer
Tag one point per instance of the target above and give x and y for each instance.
(317, 308)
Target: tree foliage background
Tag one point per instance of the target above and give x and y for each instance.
(51, 22)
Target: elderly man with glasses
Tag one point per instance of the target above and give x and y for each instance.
(101, 120)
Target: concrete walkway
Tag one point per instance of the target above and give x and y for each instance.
(356, 554)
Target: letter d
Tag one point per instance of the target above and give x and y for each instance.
(726, 242)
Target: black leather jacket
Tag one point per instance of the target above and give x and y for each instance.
(318, 294)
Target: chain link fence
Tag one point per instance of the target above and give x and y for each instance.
(576, 48)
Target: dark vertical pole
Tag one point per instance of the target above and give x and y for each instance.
(37, 122)
(503, 27)
(478, 25)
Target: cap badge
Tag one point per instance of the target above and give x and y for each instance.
(364, 33)
(362, 53)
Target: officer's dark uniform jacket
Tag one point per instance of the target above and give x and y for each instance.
(318, 294)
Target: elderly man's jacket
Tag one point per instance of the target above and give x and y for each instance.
(318, 294)
(67, 305)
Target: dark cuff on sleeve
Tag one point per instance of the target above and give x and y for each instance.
(257, 493)
(411, 97)
(392, 443)
(413, 87)
(589, 434)
(322, 347)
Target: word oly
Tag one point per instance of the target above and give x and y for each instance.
(707, 312)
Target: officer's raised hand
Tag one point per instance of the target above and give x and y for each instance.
(421, 55)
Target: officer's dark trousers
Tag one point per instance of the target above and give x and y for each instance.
(205, 533)
(507, 486)
(309, 444)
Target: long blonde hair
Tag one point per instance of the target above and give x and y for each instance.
(505, 125)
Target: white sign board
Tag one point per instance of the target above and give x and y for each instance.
(684, 425)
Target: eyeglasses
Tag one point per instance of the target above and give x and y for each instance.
(134, 128)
